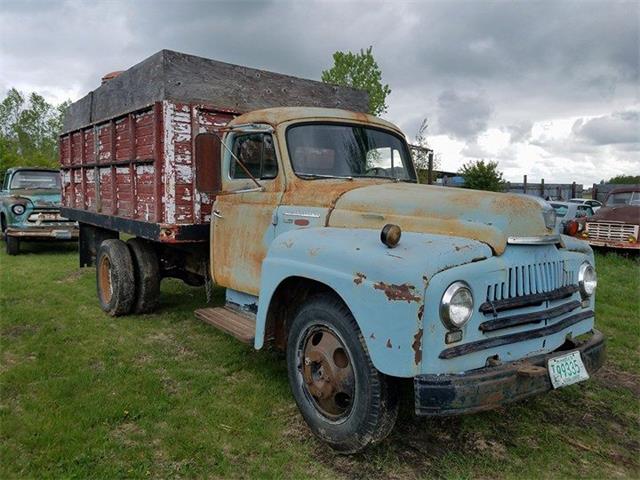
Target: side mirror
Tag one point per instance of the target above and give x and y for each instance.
(208, 163)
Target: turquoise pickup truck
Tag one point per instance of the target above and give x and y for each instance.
(30, 208)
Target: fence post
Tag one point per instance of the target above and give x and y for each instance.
(594, 192)
(573, 190)
(559, 191)
(542, 187)
(524, 185)
(430, 168)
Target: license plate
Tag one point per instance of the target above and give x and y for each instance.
(62, 234)
(567, 370)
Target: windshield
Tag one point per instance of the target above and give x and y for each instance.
(576, 201)
(34, 179)
(623, 198)
(339, 151)
(561, 210)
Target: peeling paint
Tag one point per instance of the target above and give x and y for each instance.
(417, 346)
(389, 345)
(404, 292)
(359, 278)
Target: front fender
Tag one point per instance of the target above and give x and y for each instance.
(384, 288)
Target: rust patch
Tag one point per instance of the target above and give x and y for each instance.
(417, 346)
(372, 336)
(420, 312)
(359, 278)
(402, 293)
(389, 343)
(314, 252)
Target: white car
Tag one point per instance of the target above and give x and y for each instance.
(594, 204)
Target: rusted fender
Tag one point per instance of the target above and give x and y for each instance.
(485, 216)
(384, 288)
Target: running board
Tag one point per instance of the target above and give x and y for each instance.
(240, 325)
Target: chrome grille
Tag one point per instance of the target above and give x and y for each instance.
(619, 232)
(531, 279)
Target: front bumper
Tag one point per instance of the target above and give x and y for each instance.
(490, 387)
(52, 232)
(613, 244)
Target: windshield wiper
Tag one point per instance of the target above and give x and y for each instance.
(317, 176)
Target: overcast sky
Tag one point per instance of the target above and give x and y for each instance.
(548, 89)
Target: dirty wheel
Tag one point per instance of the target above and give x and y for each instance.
(13, 245)
(147, 275)
(115, 277)
(344, 399)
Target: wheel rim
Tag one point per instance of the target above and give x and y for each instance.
(106, 288)
(327, 374)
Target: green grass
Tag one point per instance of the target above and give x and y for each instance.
(88, 396)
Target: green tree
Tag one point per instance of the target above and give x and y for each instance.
(359, 70)
(625, 179)
(481, 175)
(29, 129)
(420, 153)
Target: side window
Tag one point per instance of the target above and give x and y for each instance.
(257, 153)
(5, 184)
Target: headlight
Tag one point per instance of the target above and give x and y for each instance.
(587, 279)
(456, 305)
(18, 209)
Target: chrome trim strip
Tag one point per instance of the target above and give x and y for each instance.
(541, 240)
(296, 214)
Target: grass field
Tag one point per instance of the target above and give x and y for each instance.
(88, 396)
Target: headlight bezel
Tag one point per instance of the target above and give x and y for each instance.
(18, 209)
(586, 290)
(446, 301)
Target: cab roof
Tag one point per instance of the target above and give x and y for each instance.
(276, 116)
(41, 169)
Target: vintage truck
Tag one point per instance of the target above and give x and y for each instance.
(617, 224)
(30, 208)
(328, 248)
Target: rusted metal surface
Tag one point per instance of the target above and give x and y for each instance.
(417, 346)
(327, 372)
(402, 293)
(237, 324)
(491, 387)
(359, 278)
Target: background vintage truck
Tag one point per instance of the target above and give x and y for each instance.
(30, 208)
(327, 246)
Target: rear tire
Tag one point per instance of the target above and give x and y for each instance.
(115, 277)
(344, 399)
(12, 244)
(147, 275)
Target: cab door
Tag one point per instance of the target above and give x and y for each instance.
(244, 214)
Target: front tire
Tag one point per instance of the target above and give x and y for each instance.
(344, 399)
(115, 277)
(12, 245)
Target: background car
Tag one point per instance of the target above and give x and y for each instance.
(30, 208)
(594, 204)
(567, 211)
(617, 223)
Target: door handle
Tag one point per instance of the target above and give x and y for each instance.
(216, 213)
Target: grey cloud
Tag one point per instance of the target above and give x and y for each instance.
(462, 116)
(619, 127)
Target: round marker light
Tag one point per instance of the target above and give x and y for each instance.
(571, 228)
(390, 235)
(587, 279)
(18, 209)
(456, 306)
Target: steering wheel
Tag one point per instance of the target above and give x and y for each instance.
(377, 171)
